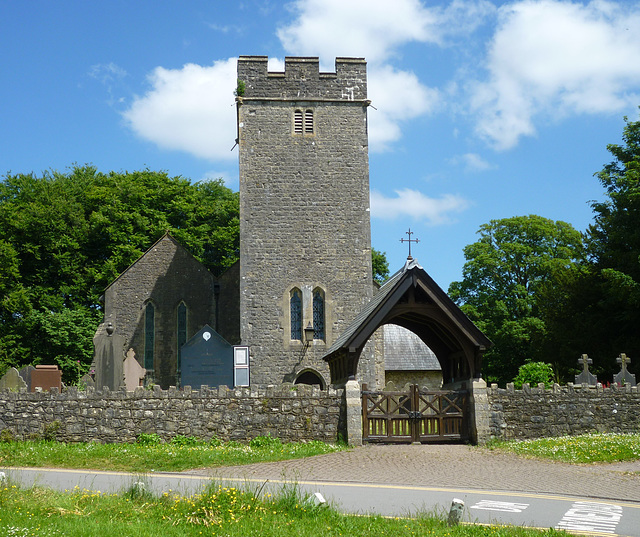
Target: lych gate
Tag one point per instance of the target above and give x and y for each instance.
(411, 299)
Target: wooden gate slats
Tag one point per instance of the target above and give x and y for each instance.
(413, 416)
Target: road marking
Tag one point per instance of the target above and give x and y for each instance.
(493, 505)
(591, 516)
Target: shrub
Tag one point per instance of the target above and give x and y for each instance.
(149, 439)
(181, 440)
(265, 442)
(534, 373)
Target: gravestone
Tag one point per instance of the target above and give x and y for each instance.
(133, 372)
(86, 381)
(207, 359)
(12, 380)
(624, 378)
(25, 373)
(46, 377)
(108, 359)
(586, 377)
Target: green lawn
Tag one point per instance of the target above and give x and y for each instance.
(149, 454)
(587, 448)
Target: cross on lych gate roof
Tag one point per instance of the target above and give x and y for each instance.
(410, 240)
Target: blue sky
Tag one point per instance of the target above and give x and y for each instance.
(483, 109)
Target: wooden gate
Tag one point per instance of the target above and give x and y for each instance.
(414, 416)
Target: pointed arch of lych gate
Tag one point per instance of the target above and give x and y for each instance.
(411, 299)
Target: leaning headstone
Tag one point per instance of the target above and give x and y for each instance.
(86, 381)
(109, 357)
(586, 377)
(133, 372)
(624, 378)
(25, 373)
(46, 377)
(12, 380)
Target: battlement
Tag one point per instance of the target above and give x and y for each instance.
(302, 79)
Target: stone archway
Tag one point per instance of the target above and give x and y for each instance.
(311, 377)
(412, 300)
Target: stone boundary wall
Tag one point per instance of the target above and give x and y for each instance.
(562, 410)
(290, 413)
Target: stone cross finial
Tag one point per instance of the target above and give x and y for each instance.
(410, 240)
(585, 361)
(624, 377)
(623, 360)
(586, 377)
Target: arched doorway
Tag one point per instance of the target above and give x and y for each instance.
(310, 377)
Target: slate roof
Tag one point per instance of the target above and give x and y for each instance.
(404, 351)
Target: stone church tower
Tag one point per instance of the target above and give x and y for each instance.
(305, 254)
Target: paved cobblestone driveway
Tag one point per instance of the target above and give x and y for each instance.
(450, 466)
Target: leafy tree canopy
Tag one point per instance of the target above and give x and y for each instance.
(380, 266)
(65, 236)
(506, 272)
(613, 243)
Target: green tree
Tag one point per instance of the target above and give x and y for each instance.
(515, 261)
(613, 242)
(380, 266)
(65, 236)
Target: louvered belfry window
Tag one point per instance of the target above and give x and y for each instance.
(308, 122)
(297, 122)
(303, 122)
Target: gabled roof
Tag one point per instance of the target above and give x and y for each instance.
(166, 236)
(412, 299)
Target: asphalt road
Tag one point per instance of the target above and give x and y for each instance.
(572, 513)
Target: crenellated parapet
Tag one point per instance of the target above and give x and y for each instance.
(302, 80)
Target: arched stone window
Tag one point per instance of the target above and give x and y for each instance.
(303, 122)
(295, 303)
(149, 335)
(181, 315)
(318, 314)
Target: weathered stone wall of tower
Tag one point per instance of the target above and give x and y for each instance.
(304, 208)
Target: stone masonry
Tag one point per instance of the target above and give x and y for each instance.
(563, 410)
(292, 413)
(304, 209)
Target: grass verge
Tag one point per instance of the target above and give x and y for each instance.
(587, 448)
(216, 511)
(150, 454)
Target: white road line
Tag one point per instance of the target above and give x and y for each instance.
(494, 505)
(591, 516)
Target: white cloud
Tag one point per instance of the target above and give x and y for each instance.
(368, 28)
(472, 162)
(415, 204)
(397, 96)
(189, 109)
(552, 58)
(375, 30)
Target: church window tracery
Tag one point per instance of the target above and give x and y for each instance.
(149, 335)
(182, 330)
(318, 314)
(295, 303)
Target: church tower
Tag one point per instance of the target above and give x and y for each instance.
(305, 236)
